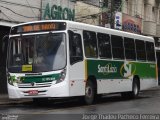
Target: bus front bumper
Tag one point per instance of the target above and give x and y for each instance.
(56, 90)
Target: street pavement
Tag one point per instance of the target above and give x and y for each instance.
(5, 100)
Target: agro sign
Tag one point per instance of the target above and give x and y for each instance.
(58, 13)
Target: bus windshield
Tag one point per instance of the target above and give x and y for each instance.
(43, 52)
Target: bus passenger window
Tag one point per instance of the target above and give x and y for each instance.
(90, 44)
(75, 47)
(104, 45)
(140, 50)
(117, 47)
(150, 51)
(129, 45)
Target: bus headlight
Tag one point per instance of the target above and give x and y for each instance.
(62, 76)
(10, 80)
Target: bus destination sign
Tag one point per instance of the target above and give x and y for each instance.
(38, 27)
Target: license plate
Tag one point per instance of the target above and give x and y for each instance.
(33, 92)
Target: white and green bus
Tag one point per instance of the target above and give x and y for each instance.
(58, 58)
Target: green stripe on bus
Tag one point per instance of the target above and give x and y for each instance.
(103, 69)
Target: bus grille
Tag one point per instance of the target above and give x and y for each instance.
(34, 85)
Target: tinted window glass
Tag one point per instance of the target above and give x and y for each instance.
(129, 48)
(104, 45)
(117, 47)
(140, 50)
(150, 51)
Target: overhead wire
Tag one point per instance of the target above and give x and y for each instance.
(17, 13)
(31, 8)
(11, 19)
(17, 4)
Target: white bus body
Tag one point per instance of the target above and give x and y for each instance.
(107, 74)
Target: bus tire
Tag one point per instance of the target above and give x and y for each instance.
(135, 88)
(90, 93)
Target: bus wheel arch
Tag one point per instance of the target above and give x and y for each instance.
(90, 90)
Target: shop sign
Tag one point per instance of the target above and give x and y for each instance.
(58, 10)
(131, 24)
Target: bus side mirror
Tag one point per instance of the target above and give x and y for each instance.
(5, 43)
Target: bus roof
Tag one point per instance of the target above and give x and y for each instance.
(84, 26)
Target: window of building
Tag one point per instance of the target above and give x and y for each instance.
(90, 44)
(117, 47)
(104, 45)
(150, 51)
(129, 48)
(140, 50)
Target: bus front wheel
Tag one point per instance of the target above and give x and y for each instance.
(90, 93)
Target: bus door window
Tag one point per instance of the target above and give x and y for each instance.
(104, 45)
(90, 44)
(75, 44)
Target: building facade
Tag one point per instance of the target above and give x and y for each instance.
(148, 11)
(145, 14)
(87, 12)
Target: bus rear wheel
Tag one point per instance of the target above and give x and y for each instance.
(90, 93)
(135, 90)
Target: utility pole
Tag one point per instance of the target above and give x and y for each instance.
(40, 18)
(112, 14)
(104, 12)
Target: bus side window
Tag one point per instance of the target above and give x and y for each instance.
(130, 52)
(117, 47)
(90, 44)
(75, 47)
(104, 45)
(150, 51)
(140, 50)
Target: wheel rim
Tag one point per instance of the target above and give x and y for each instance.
(88, 91)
